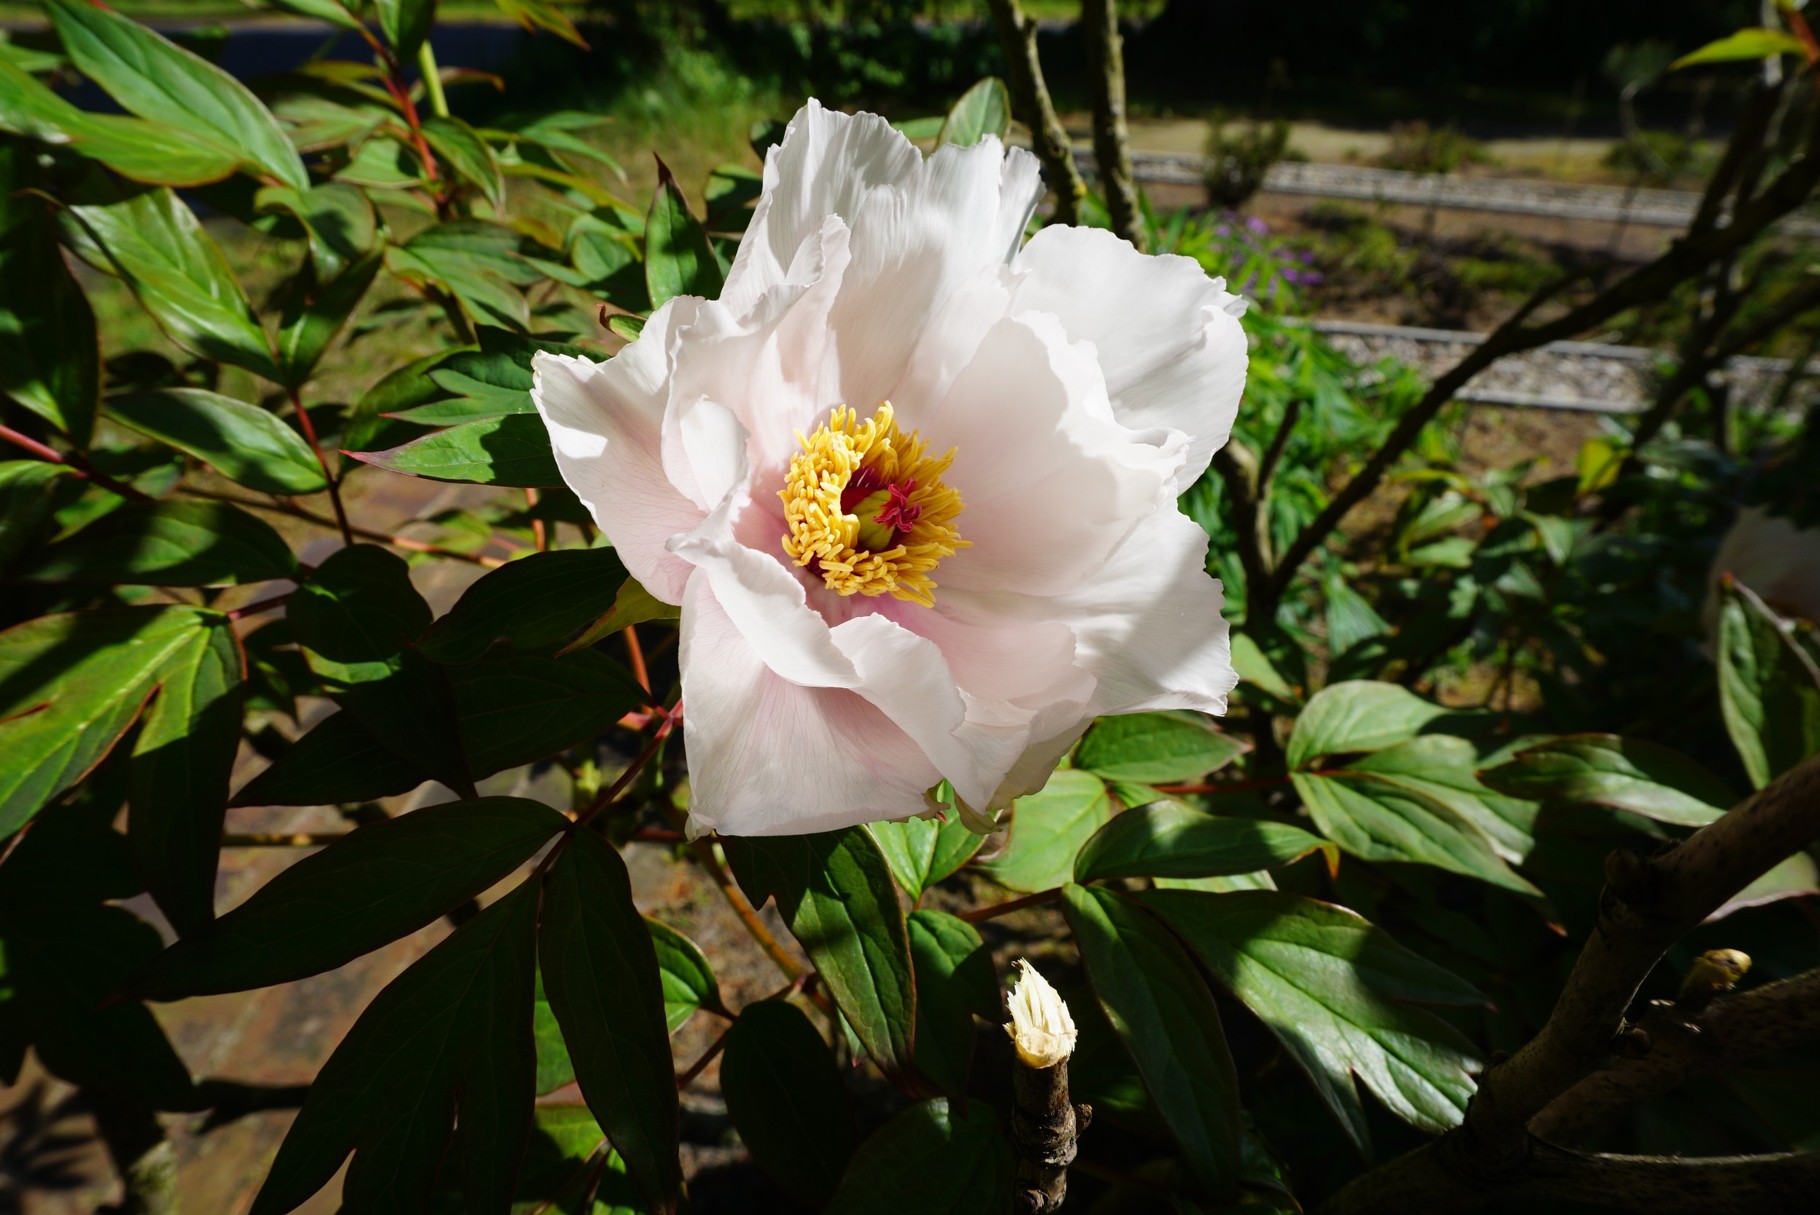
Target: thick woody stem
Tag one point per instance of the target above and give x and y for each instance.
(1111, 139)
(1648, 904)
(1030, 98)
(1045, 1127)
(1732, 1031)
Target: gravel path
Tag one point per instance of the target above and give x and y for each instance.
(1585, 377)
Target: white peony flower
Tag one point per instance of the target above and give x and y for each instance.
(913, 487)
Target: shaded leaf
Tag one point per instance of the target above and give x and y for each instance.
(955, 982)
(1048, 829)
(181, 542)
(26, 503)
(1173, 839)
(632, 604)
(494, 380)
(517, 710)
(50, 353)
(531, 605)
(460, 147)
(1162, 1011)
(337, 219)
(600, 974)
(930, 1158)
(688, 980)
(180, 770)
(785, 1097)
(357, 616)
(406, 23)
(1769, 686)
(477, 261)
(335, 762)
(834, 890)
(242, 442)
(1338, 993)
(451, 1036)
(382, 882)
(315, 312)
(1624, 773)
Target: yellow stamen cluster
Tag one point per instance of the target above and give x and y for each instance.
(826, 536)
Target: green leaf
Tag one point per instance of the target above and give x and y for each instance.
(1165, 1016)
(554, 1067)
(678, 258)
(315, 312)
(834, 891)
(357, 616)
(494, 380)
(688, 980)
(180, 542)
(331, 11)
(153, 242)
(955, 982)
(384, 881)
(1339, 994)
(1382, 820)
(180, 771)
(1769, 687)
(166, 84)
(143, 151)
(70, 685)
(1155, 748)
(632, 604)
(1624, 773)
(460, 147)
(984, 109)
(1048, 829)
(406, 23)
(338, 761)
(1254, 667)
(476, 260)
(930, 1158)
(923, 851)
(785, 1097)
(1361, 715)
(1754, 43)
(64, 953)
(1442, 768)
(518, 710)
(544, 14)
(26, 503)
(532, 605)
(50, 354)
(451, 1035)
(242, 442)
(1173, 839)
(337, 219)
(600, 973)
(512, 450)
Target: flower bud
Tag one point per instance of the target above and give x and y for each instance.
(1040, 1025)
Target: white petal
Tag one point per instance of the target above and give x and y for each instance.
(1050, 481)
(606, 426)
(770, 757)
(1169, 340)
(1149, 623)
(920, 229)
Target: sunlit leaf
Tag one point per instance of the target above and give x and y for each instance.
(678, 258)
(1173, 839)
(1155, 748)
(1361, 715)
(1769, 686)
(834, 890)
(1048, 829)
(1340, 995)
(984, 109)
(241, 442)
(1624, 773)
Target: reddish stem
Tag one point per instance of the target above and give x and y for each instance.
(262, 605)
(76, 465)
(635, 654)
(1237, 786)
(538, 535)
(309, 433)
(700, 1065)
(979, 914)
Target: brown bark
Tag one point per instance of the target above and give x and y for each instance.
(1030, 99)
(1044, 1127)
(1111, 139)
